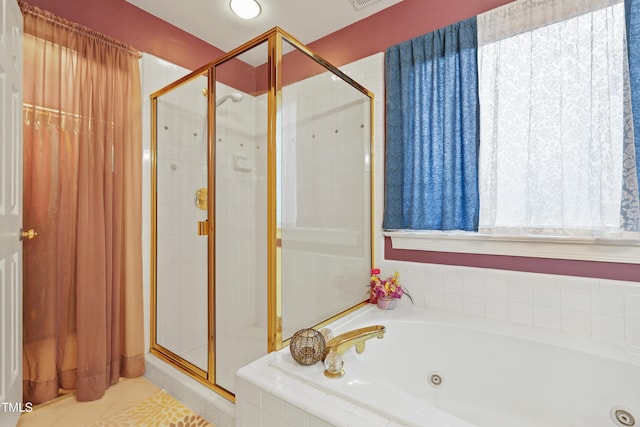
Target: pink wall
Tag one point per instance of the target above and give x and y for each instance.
(403, 21)
(400, 22)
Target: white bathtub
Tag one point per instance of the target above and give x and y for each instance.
(493, 375)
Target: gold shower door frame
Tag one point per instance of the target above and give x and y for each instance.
(274, 39)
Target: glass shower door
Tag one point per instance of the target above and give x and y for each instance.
(181, 252)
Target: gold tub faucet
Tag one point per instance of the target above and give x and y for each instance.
(338, 345)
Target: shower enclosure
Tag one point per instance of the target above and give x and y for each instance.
(261, 205)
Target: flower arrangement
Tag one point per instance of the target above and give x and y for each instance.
(386, 289)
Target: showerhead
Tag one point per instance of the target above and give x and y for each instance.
(234, 97)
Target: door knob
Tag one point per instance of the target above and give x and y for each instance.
(31, 234)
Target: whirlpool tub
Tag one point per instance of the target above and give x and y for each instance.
(444, 370)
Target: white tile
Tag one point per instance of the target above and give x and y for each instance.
(474, 306)
(632, 306)
(321, 411)
(616, 286)
(608, 303)
(415, 278)
(340, 403)
(576, 299)
(370, 419)
(453, 282)
(521, 314)
(496, 309)
(547, 294)
(263, 380)
(632, 331)
(271, 421)
(247, 415)
(575, 282)
(317, 422)
(576, 322)
(227, 421)
(247, 391)
(520, 292)
(418, 294)
(632, 288)
(434, 300)
(433, 280)
(473, 287)
(547, 317)
(272, 405)
(294, 416)
(496, 289)
(453, 302)
(608, 328)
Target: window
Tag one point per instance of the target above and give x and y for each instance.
(556, 149)
(552, 108)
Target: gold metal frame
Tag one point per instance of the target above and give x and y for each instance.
(274, 39)
(274, 309)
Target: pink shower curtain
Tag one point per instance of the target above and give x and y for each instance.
(83, 324)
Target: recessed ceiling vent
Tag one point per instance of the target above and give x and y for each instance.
(360, 4)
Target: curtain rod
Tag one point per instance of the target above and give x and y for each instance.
(51, 110)
(74, 26)
(61, 114)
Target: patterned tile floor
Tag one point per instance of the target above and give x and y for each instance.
(66, 411)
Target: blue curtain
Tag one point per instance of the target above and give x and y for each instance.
(632, 8)
(432, 131)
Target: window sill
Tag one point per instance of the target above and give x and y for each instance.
(573, 248)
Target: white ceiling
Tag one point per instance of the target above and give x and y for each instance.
(306, 20)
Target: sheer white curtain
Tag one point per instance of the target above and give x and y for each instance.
(552, 96)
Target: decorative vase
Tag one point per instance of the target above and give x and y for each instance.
(307, 346)
(387, 303)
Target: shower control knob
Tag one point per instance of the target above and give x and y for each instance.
(31, 234)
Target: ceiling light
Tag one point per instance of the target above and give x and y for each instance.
(245, 9)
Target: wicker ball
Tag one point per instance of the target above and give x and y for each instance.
(307, 346)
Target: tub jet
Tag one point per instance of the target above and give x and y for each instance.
(435, 380)
(622, 417)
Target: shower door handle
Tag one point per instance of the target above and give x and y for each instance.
(203, 228)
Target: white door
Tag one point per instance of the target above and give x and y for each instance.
(10, 213)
